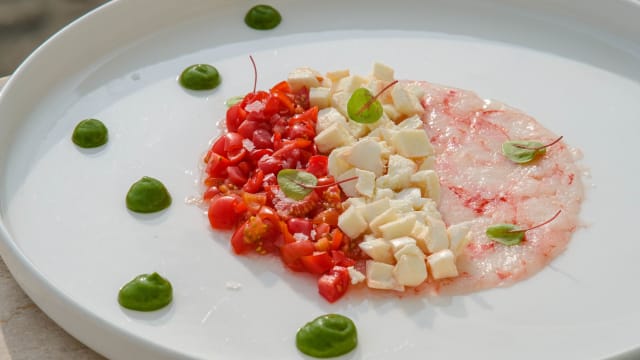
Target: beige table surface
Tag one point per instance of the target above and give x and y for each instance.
(25, 331)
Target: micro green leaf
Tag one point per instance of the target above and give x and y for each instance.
(364, 107)
(509, 234)
(524, 151)
(296, 184)
(234, 100)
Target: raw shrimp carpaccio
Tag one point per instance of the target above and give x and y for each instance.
(481, 185)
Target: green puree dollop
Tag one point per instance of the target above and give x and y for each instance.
(148, 195)
(200, 77)
(90, 133)
(327, 336)
(146, 292)
(262, 17)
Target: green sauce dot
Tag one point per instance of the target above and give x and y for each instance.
(148, 195)
(262, 17)
(146, 292)
(90, 133)
(200, 77)
(327, 336)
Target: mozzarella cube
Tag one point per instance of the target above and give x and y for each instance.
(391, 112)
(352, 223)
(357, 129)
(398, 243)
(355, 201)
(349, 84)
(366, 183)
(327, 117)
(378, 249)
(339, 101)
(348, 187)
(388, 215)
(412, 143)
(412, 122)
(420, 234)
(319, 96)
(382, 193)
(406, 101)
(337, 163)
(380, 276)
(355, 275)
(442, 264)
(332, 137)
(399, 171)
(303, 77)
(399, 227)
(410, 270)
(402, 205)
(371, 210)
(336, 75)
(428, 182)
(438, 237)
(458, 236)
(413, 196)
(428, 163)
(365, 155)
(382, 72)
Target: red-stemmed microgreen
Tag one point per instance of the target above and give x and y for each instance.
(363, 107)
(524, 151)
(296, 184)
(255, 73)
(509, 234)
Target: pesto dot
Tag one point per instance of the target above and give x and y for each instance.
(200, 77)
(90, 133)
(148, 195)
(146, 292)
(262, 17)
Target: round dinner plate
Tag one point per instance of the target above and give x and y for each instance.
(70, 242)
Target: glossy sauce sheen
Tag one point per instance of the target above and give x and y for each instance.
(480, 184)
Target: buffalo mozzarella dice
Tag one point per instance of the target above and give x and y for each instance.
(352, 223)
(380, 276)
(378, 249)
(303, 77)
(412, 143)
(410, 270)
(442, 264)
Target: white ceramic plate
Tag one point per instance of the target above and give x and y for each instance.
(69, 241)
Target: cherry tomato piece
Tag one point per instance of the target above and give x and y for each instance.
(225, 212)
(293, 251)
(302, 226)
(317, 165)
(334, 284)
(318, 263)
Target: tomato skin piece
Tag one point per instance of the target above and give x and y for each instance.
(318, 263)
(225, 212)
(254, 183)
(333, 285)
(293, 251)
(237, 240)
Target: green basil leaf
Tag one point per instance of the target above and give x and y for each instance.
(506, 234)
(522, 151)
(361, 107)
(296, 184)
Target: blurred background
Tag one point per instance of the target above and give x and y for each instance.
(26, 24)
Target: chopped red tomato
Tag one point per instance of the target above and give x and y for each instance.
(334, 284)
(293, 252)
(317, 263)
(225, 211)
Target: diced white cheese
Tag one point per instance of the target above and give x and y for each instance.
(355, 201)
(442, 264)
(333, 137)
(380, 276)
(339, 101)
(406, 101)
(355, 275)
(410, 270)
(399, 171)
(319, 96)
(366, 183)
(349, 84)
(412, 143)
(420, 233)
(356, 129)
(303, 77)
(365, 155)
(438, 237)
(428, 182)
(388, 215)
(428, 163)
(349, 187)
(458, 236)
(399, 227)
(336, 75)
(371, 210)
(382, 193)
(391, 112)
(327, 117)
(400, 242)
(382, 72)
(412, 195)
(352, 223)
(412, 122)
(402, 205)
(337, 163)
(378, 249)
(430, 208)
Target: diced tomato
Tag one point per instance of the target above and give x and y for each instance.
(261, 139)
(298, 225)
(282, 86)
(225, 211)
(317, 263)
(328, 216)
(210, 193)
(254, 201)
(236, 176)
(269, 164)
(336, 239)
(334, 284)
(341, 259)
(254, 184)
(235, 116)
(257, 154)
(217, 166)
(317, 165)
(237, 240)
(293, 251)
(249, 126)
